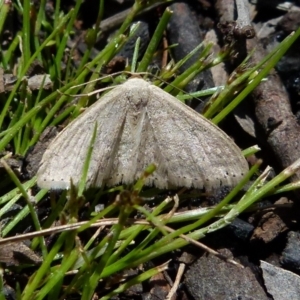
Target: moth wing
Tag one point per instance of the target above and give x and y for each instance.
(65, 157)
(192, 152)
(137, 149)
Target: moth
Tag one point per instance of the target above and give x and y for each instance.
(139, 124)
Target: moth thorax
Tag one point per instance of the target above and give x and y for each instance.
(139, 100)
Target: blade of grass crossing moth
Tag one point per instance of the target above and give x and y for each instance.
(87, 162)
(141, 181)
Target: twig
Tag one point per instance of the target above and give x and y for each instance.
(177, 281)
(272, 103)
(243, 22)
(204, 247)
(241, 28)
